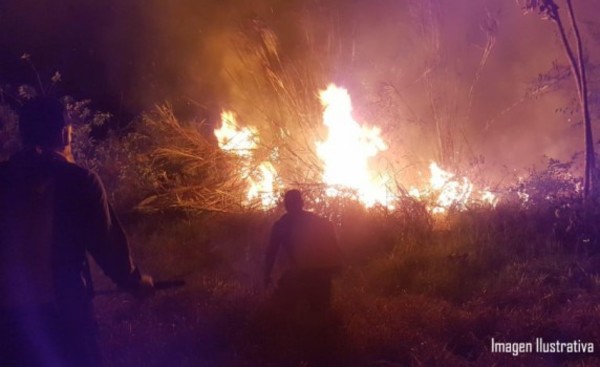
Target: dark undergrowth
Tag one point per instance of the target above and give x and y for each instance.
(407, 297)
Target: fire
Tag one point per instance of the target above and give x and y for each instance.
(348, 149)
(489, 198)
(347, 155)
(451, 192)
(264, 188)
(231, 138)
(243, 142)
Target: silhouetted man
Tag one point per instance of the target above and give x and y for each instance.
(308, 246)
(53, 212)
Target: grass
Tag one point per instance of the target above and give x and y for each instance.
(431, 298)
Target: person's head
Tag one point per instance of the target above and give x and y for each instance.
(42, 124)
(292, 200)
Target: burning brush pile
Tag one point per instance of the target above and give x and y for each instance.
(245, 172)
(287, 128)
(345, 166)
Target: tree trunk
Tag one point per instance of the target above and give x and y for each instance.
(590, 156)
(578, 70)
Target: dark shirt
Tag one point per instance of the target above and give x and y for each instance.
(305, 240)
(51, 213)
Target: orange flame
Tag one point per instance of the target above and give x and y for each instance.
(348, 149)
(347, 154)
(243, 142)
(231, 138)
(450, 192)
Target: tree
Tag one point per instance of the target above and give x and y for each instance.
(548, 9)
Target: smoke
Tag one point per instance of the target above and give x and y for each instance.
(415, 68)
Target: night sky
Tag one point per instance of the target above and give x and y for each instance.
(128, 56)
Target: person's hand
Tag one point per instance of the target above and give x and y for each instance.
(144, 287)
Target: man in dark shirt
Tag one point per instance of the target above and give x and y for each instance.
(307, 247)
(53, 212)
(309, 253)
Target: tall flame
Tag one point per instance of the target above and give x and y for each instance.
(347, 154)
(348, 148)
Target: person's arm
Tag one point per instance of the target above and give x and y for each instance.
(106, 241)
(271, 254)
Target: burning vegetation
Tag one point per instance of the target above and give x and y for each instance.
(348, 161)
(458, 222)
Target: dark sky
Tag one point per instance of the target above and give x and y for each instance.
(104, 50)
(127, 55)
(60, 36)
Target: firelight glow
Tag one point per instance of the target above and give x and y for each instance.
(451, 192)
(346, 155)
(242, 141)
(448, 191)
(232, 138)
(348, 149)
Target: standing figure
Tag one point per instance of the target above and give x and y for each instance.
(307, 245)
(53, 213)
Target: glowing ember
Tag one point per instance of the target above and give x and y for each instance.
(489, 198)
(451, 192)
(242, 142)
(348, 148)
(523, 196)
